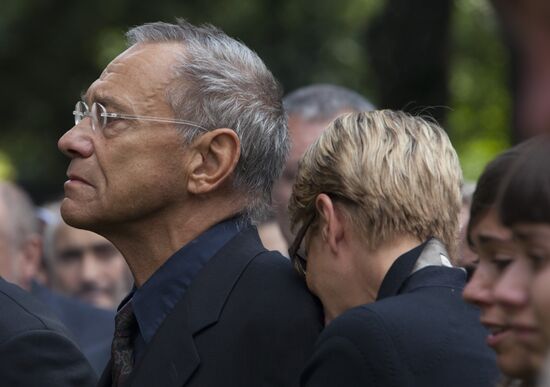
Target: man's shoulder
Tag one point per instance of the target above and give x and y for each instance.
(263, 266)
(244, 276)
(271, 287)
(33, 340)
(20, 312)
(271, 271)
(273, 275)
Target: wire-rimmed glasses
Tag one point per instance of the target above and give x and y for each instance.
(99, 116)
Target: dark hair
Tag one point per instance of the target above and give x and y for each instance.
(487, 189)
(525, 195)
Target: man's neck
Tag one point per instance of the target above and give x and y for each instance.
(148, 243)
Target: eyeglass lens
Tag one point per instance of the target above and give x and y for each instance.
(98, 114)
(80, 112)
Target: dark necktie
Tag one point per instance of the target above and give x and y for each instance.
(122, 346)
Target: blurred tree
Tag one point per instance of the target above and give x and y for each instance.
(481, 113)
(408, 45)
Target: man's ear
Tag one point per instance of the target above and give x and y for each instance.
(214, 158)
(331, 225)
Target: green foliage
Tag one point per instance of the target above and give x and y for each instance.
(479, 120)
(50, 51)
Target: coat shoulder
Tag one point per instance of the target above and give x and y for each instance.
(22, 312)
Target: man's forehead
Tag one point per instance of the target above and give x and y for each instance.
(303, 133)
(142, 66)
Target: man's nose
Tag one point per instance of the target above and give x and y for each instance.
(77, 141)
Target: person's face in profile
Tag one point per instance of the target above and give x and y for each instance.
(127, 171)
(497, 251)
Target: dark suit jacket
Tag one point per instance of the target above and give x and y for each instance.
(419, 333)
(92, 328)
(246, 320)
(34, 347)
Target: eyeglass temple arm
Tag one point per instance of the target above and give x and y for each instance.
(152, 118)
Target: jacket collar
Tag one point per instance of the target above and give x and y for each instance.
(430, 253)
(171, 357)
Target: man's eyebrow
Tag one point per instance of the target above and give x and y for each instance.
(107, 101)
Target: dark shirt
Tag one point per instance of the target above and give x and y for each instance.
(156, 298)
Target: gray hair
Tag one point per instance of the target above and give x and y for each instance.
(50, 214)
(221, 83)
(323, 102)
(21, 221)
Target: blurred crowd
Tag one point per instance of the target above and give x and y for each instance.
(214, 232)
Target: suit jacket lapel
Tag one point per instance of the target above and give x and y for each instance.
(171, 357)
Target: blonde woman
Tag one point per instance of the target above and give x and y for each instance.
(377, 202)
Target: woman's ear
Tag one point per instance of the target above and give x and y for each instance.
(331, 225)
(214, 159)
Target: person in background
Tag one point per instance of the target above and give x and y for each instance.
(173, 156)
(83, 264)
(92, 328)
(310, 110)
(497, 251)
(525, 208)
(377, 202)
(36, 349)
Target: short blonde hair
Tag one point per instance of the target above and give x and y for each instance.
(394, 173)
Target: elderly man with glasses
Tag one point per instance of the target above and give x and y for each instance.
(173, 154)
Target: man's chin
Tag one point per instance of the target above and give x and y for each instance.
(76, 215)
